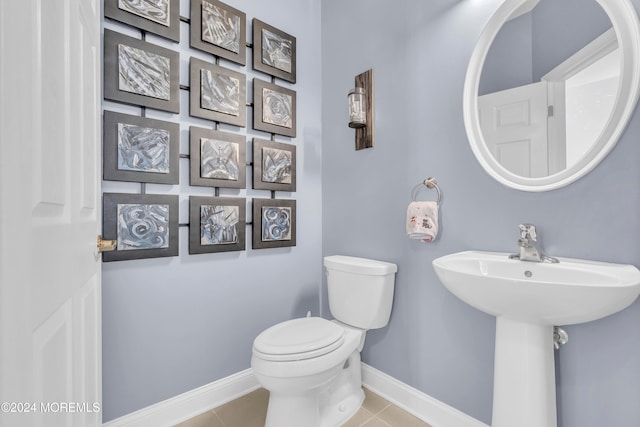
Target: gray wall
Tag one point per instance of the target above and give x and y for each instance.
(171, 325)
(561, 28)
(528, 47)
(509, 62)
(434, 342)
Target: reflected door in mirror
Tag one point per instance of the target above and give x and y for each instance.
(556, 113)
(514, 125)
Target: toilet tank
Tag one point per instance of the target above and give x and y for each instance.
(360, 290)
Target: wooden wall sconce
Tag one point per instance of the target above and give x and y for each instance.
(361, 109)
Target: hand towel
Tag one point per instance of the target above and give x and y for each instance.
(422, 221)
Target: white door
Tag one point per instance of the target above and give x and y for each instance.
(514, 126)
(50, 318)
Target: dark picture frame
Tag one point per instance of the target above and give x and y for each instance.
(219, 29)
(144, 225)
(274, 223)
(217, 159)
(140, 149)
(217, 224)
(274, 108)
(274, 51)
(274, 166)
(209, 86)
(165, 23)
(131, 69)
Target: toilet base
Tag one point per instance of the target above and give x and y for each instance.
(337, 414)
(344, 396)
(305, 410)
(328, 406)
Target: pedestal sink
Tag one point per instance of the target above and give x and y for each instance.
(528, 300)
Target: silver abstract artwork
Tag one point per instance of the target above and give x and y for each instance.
(143, 149)
(219, 159)
(220, 27)
(143, 73)
(142, 226)
(219, 224)
(276, 223)
(276, 51)
(219, 92)
(276, 165)
(153, 10)
(277, 108)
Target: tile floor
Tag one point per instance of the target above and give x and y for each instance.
(250, 411)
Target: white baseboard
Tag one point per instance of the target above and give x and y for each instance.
(187, 405)
(414, 401)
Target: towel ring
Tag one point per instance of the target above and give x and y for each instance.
(429, 183)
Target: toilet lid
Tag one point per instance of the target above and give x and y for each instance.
(299, 339)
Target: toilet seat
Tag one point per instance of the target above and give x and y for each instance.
(298, 339)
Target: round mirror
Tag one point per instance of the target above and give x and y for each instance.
(550, 88)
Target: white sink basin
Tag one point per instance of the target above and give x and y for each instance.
(528, 298)
(571, 291)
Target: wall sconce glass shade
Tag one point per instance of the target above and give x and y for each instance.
(357, 108)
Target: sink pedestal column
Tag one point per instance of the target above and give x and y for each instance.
(524, 387)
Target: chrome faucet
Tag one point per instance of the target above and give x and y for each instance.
(530, 248)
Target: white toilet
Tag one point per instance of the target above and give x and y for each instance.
(311, 366)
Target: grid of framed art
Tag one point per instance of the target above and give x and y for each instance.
(146, 74)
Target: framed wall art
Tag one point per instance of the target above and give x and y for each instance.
(274, 51)
(217, 93)
(219, 29)
(140, 73)
(144, 225)
(140, 149)
(218, 159)
(274, 165)
(216, 224)
(274, 223)
(161, 17)
(274, 108)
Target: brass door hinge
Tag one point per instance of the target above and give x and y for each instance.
(106, 245)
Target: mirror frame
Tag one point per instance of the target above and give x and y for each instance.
(625, 22)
